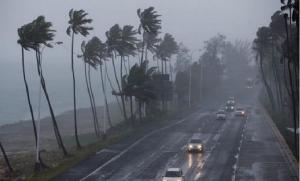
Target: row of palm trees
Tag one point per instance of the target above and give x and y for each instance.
(122, 44)
(277, 51)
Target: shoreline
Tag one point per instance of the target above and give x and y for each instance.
(19, 136)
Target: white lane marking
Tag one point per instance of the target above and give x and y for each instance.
(107, 150)
(134, 144)
(237, 156)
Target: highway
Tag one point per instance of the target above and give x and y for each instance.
(238, 148)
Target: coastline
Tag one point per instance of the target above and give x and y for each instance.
(18, 136)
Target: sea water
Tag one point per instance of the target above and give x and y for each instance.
(13, 101)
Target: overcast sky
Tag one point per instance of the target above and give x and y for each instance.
(190, 21)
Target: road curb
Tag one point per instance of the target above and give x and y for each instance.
(287, 153)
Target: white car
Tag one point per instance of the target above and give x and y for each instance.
(221, 115)
(173, 174)
(240, 112)
(195, 144)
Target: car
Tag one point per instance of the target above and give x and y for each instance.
(173, 174)
(221, 114)
(195, 144)
(240, 112)
(229, 107)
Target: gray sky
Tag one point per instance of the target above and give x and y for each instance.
(190, 21)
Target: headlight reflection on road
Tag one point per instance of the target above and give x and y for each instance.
(190, 160)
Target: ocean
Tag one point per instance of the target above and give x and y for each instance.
(13, 101)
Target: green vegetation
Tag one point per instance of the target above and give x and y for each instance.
(277, 51)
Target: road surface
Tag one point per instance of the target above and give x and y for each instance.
(234, 149)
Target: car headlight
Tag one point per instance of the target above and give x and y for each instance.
(232, 107)
(243, 112)
(199, 146)
(179, 179)
(190, 146)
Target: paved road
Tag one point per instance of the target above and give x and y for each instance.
(235, 149)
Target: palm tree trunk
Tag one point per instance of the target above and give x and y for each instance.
(143, 48)
(6, 158)
(165, 67)
(131, 111)
(28, 97)
(111, 86)
(170, 70)
(55, 126)
(275, 78)
(93, 97)
(39, 163)
(105, 98)
(140, 110)
(269, 90)
(74, 93)
(125, 67)
(118, 83)
(128, 64)
(89, 93)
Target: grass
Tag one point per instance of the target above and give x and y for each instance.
(76, 156)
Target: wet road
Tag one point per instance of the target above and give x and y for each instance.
(227, 154)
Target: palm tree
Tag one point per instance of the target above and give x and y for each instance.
(6, 158)
(23, 41)
(149, 23)
(261, 46)
(164, 51)
(113, 42)
(87, 64)
(151, 43)
(39, 35)
(77, 24)
(32, 36)
(127, 44)
(137, 83)
(97, 53)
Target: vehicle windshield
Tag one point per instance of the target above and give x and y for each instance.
(173, 174)
(240, 109)
(221, 112)
(195, 141)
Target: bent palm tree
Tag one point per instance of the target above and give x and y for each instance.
(137, 83)
(40, 34)
(150, 24)
(22, 32)
(77, 24)
(89, 63)
(113, 42)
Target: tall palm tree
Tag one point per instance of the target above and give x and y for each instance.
(87, 64)
(137, 84)
(261, 46)
(127, 44)
(38, 33)
(23, 41)
(77, 25)
(128, 47)
(6, 158)
(151, 43)
(149, 23)
(34, 35)
(164, 51)
(114, 46)
(97, 53)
